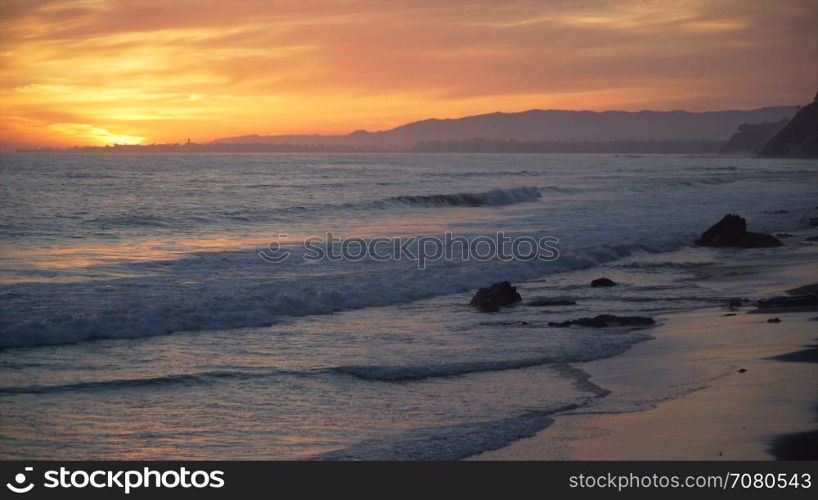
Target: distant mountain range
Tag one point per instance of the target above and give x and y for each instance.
(544, 125)
(535, 131)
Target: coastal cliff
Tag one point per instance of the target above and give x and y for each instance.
(752, 137)
(799, 138)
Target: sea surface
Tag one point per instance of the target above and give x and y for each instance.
(138, 319)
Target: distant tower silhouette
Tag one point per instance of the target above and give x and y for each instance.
(188, 141)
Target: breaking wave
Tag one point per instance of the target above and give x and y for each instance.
(406, 373)
(493, 198)
(149, 305)
(197, 378)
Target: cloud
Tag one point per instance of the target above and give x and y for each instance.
(205, 69)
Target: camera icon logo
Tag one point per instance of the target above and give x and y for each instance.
(20, 479)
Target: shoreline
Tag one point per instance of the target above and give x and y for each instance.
(709, 386)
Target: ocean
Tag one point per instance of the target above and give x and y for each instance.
(140, 318)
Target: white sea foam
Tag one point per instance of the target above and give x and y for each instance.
(251, 294)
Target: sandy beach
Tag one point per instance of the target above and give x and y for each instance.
(742, 388)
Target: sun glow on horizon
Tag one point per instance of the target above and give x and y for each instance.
(94, 135)
(96, 72)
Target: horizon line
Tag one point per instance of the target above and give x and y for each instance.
(19, 148)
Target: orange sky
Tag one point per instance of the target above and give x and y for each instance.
(105, 71)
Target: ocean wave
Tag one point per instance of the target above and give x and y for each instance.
(365, 373)
(493, 173)
(127, 220)
(172, 296)
(454, 442)
(680, 298)
(124, 383)
(369, 373)
(493, 198)
(387, 373)
(393, 373)
(465, 439)
(197, 378)
(667, 265)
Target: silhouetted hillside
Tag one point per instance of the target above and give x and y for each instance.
(548, 125)
(751, 137)
(479, 145)
(799, 139)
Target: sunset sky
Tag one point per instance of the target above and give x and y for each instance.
(131, 71)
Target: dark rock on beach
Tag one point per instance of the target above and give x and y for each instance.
(550, 302)
(804, 290)
(725, 232)
(784, 302)
(774, 320)
(799, 446)
(491, 298)
(808, 355)
(731, 231)
(803, 298)
(603, 282)
(604, 320)
(758, 240)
